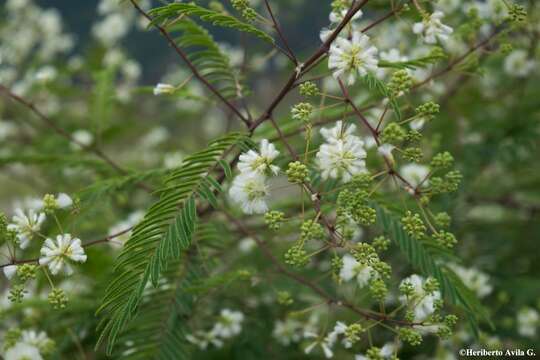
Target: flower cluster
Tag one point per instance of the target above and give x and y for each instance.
(250, 189)
(228, 325)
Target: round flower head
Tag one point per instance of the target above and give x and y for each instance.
(342, 159)
(254, 162)
(415, 174)
(352, 57)
(26, 225)
(161, 89)
(64, 201)
(518, 64)
(56, 254)
(250, 192)
(337, 16)
(432, 28)
(23, 351)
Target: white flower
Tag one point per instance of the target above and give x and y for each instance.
(424, 303)
(63, 201)
(55, 254)
(432, 28)
(342, 159)
(26, 225)
(337, 16)
(386, 151)
(161, 89)
(246, 245)
(287, 332)
(415, 174)
(10, 270)
(82, 137)
(112, 28)
(133, 219)
(203, 339)
(23, 351)
(527, 322)
(253, 162)
(229, 324)
(518, 64)
(46, 74)
(353, 269)
(173, 160)
(325, 346)
(352, 56)
(338, 132)
(34, 338)
(474, 279)
(250, 192)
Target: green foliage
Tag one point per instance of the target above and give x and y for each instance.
(375, 84)
(162, 235)
(173, 11)
(425, 257)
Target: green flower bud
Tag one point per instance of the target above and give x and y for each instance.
(302, 112)
(309, 88)
(413, 154)
(26, 272)
(381, 243)
(517, 13)
(297, 173)
(274, 219)
(58, 299)
(428, 110)
(393, 133)
(311, 230)
(442, 219)
(410, 336)
(442, 161)
(413, 225)
(353, 332)
(431, 285)
(11, 337)
(400, 82)
(413, 136)
(16, 293)
(378, 289)
(445, 238)
(296, 256)
(335, 265)
(284, 298)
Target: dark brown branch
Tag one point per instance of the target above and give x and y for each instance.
(289, 51)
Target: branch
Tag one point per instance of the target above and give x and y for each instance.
(329, 299)
(87, 245)
(191, 66)
(289, 52)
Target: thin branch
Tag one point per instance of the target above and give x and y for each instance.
(280, 34)
(191, 66)
(87, 245)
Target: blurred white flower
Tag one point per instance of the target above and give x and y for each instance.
(432, 28)
(287, 332)
(474, 279)
(46, 74)
(10, 270)
(26, 225)
(83, 137)
(352, 57)
(528, 321)
(353, 269)
(229, 324)
(56, 254)
(415, 174)
(23, 351)
(518, 63)
(161, 89)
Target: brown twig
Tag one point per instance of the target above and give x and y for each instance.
(289, 52)
(191, 66)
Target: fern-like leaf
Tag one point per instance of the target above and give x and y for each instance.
(375, 84)
(173, 11)
(161, 236)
